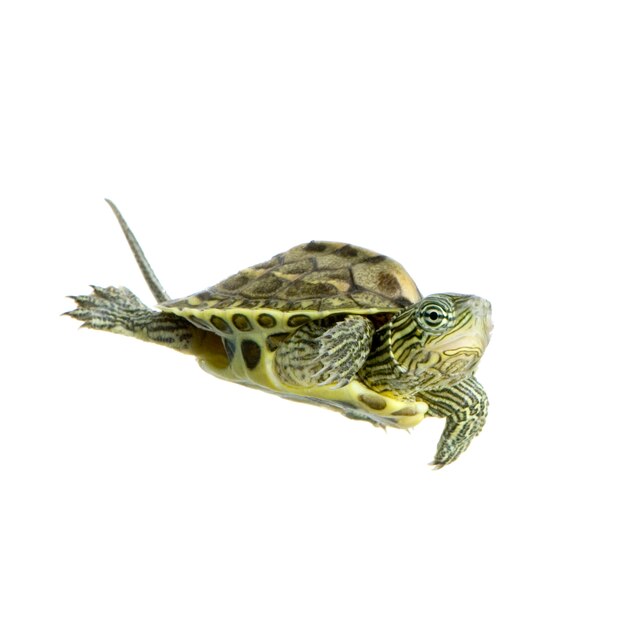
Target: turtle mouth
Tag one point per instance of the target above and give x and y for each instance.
(464, 343)
(470, 339)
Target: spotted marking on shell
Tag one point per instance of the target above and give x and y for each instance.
(251, 352)
(266, 320)
(314, 246)
(264, 286)
(373, 402)
(220, 324)
(388, 284)
(347, 251)
(375, 259)
(310, 290)
(241, 322)
(316, 276)
(235, 282)
(297, 320)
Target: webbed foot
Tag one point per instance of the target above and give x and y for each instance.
(118, 310)
(115, 309)
(464, 407)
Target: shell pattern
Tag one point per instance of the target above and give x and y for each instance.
(318, 276)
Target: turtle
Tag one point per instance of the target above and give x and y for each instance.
(327, 323)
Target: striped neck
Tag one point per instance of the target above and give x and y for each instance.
(396, 355)
(431, 345)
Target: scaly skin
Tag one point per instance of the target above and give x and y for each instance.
(380, 353)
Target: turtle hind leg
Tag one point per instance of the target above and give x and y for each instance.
(118, 310)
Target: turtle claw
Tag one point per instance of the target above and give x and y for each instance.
(108, 308)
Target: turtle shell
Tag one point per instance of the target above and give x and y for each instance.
(309, 281)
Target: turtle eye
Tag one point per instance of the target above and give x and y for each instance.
(432, 316)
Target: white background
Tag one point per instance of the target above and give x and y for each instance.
(481, 144)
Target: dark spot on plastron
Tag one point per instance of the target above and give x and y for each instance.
(407, 410)
(241, 322)
(265, 320)
(388, 284)
(297, 320)
(230, 346)
(347, 251)
(273, 341)
(314, 246)
(220, 324)
(234, 282)
(251, 352)
(372, 401)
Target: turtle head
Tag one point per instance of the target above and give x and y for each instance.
(450, 334)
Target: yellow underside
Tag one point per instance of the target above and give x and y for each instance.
(355, 399)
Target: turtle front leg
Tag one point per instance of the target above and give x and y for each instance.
(118, 310)
(464, 407)
(325, 353)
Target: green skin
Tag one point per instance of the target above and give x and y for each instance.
(421, 362)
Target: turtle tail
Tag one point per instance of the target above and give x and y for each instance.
(148, 273)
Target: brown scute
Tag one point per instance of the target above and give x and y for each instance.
(372, 401)
(266, 320)
(273, 341)
(241, 322)
(379, 258)
(314, 246)
(234, 282)
(337, 275)
(220, 324)
(347, 251)
(251, 352)
(370, 300)
(305, 289)
(388, 284)
(332, 262)
(267, 285)
(297, 268)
